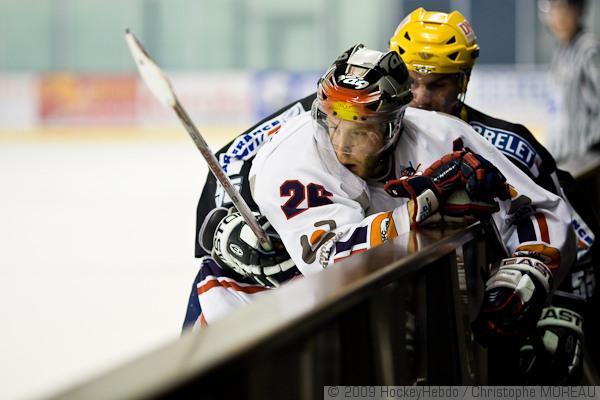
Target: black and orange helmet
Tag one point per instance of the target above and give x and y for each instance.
(365, 86)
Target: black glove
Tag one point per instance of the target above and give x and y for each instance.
(553, 355)
(234, 246)
(514, 296)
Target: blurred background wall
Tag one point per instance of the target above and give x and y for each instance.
(85, 36)
(64, 62)
(99, 184)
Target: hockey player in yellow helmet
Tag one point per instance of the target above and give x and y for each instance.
(440, 50)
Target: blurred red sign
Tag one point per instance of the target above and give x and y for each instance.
(80, 99)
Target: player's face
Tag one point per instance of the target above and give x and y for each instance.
(563, 21)
(435, 92)
(356, 145)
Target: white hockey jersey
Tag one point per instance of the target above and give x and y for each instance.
(325, 213)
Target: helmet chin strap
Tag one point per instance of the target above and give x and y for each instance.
(463, 85)
(464, 81)
(460, 100)
(387, 155)
(392, 139)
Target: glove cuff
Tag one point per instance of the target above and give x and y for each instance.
(426, 204)
(532, 267)
(221, 249)
(563, 317)
(409, 186)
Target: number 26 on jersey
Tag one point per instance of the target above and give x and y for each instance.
(302, 197)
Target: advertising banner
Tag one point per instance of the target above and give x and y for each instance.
(67, 99)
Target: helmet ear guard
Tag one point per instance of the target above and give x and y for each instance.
(463, 83)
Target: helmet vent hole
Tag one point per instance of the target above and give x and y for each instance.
(335, 113)
(407, 36)
(401, 50)
(354, 117)
(451, 40)
(453, 56)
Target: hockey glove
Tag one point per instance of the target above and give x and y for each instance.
(514, 296)
(458, 170)
(424, 195)
(554, 354)
(461, 208)
(465, 169)
(235, 247)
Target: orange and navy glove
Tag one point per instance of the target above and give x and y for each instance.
(465, 169)
(453, 172)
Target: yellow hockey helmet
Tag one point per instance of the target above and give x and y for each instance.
(436, 42)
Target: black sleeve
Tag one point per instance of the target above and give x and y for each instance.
(212, 192)
(579, 195)
(546, 167)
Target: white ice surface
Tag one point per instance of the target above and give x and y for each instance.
(96, 256)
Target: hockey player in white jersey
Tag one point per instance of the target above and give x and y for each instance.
(351, 174)
(320, 181)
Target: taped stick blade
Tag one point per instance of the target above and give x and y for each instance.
(152, 75)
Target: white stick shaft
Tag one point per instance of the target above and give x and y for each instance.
(161, 88)
(237, 200)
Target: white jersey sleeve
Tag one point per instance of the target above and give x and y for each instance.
(534, 220)
(323, 212)
(315, 204)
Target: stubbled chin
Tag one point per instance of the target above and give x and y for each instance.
(357, 171)
(352, 168)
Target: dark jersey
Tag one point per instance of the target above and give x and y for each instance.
(517, 143)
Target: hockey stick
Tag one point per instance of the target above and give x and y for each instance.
(161, 88)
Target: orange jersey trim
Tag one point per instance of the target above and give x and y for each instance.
(229, 285)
